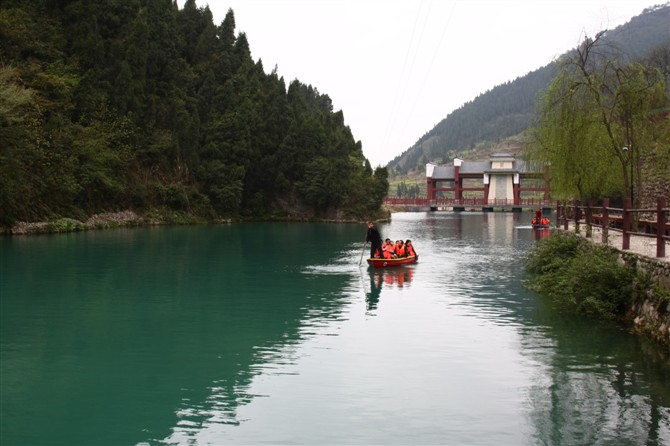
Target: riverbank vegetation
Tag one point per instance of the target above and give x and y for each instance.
(141, 106)
(604, 125)
(580, 277)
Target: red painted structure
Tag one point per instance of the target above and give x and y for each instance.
(620, 220)
(502, 169)
(469, 202)
(385, 263)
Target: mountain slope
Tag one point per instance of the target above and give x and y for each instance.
(475, 128)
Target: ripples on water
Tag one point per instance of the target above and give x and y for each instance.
(197, 341)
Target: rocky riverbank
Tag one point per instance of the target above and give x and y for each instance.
(650, 311)
(98, 221)
(129, 218)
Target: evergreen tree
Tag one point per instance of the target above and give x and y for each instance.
(136, 103)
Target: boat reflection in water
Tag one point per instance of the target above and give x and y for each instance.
(541, 233)
(399, 277)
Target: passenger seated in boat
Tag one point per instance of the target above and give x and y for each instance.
(409, 248)
(400, 249)
(387, 249)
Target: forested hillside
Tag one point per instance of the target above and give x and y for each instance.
(509, 109)
(137, 104)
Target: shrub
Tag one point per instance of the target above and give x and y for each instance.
(580, 277)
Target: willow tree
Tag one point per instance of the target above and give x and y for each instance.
(595, 123)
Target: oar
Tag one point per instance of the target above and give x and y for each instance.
(362, 252)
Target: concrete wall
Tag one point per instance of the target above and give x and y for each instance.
(501, 187)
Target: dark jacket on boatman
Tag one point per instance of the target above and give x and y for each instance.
(374, 237)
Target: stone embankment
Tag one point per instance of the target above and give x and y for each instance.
(650, 311)
(97, 221)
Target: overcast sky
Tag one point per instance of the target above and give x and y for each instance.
(396, 68)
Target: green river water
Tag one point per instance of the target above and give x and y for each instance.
(273, 333)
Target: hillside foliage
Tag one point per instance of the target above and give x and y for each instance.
(507, 111)
(138, 104)
(598, 120)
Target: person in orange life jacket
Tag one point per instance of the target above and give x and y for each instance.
(538, 216)
(409, 249)
(375, 239)
(387, 249)
(400, 249)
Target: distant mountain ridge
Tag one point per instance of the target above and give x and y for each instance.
(499, 115)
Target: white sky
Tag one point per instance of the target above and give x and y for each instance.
(396, 68)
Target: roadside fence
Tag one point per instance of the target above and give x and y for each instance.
(651, 223)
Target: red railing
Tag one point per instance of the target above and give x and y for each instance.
(476, 202)
(651, 223)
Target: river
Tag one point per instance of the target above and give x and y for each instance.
(275, 333)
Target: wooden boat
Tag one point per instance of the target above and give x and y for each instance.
(385, 263)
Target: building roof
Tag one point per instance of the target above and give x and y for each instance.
(482, 167)
(502, 155)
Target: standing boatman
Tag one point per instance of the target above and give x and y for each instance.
(374, 237)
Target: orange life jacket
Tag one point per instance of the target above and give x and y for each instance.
(400, 250)
(410, 251)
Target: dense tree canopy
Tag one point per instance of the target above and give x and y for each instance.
(116, 104)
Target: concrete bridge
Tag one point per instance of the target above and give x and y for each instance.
(468, 204)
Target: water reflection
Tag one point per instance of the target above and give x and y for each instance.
(389, 278)
(588, 383)
(593, 386)
(198, 342)
(541, 234)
